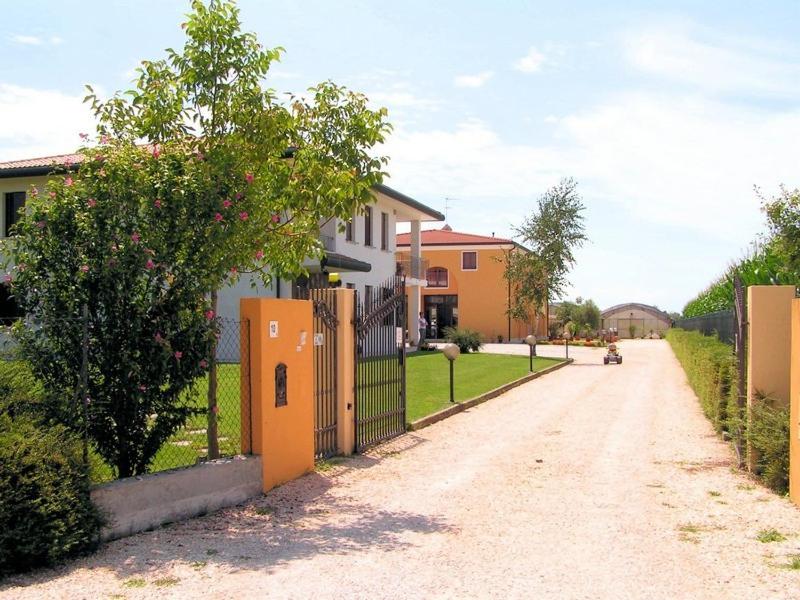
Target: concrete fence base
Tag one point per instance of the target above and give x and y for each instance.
(141, 503)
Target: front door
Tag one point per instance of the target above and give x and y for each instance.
(441, 311)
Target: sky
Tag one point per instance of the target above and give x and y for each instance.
(670, 115)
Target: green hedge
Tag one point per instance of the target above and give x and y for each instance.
(711, 370)
(46, 513)
(466, 339)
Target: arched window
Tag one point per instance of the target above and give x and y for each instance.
(437, 277)
(9, 311)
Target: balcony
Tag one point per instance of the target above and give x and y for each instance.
(416, 268)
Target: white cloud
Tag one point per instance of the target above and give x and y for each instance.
(56, 40)
(473, 81)
(27, 40)
(713, 62)
(531, 62)
(40, 122)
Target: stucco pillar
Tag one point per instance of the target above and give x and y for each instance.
(280, 342)
(769, 346)
(414, 290)
(345, 357)
(794, 414)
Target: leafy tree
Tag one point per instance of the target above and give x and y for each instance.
(230, 181)
(552, 232)
(783, 218)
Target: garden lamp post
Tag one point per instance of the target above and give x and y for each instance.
(567, 336)
(531, 341)
(451, 352)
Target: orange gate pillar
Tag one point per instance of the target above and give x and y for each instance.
(794, 408)
(280, 391)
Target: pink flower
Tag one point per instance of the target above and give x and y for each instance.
(52, 194)
(259, 255)
(178, 355)
(157, 337)
(157, 203)
(7, 277)
(83, 136)
(99, 157)
(68, 181)
(85, 268)
(34, 191)
(135, 237)
(68, 162)
(204, 364)
(248, 177)
(276, 218)
(234, 270)
(104, 139)
(239, 195)
(227, 204)
(91, 203)
(142, 388)
(243, 215)
(209, 314)
(40, 224)
(156, 151)
(218, 217)
(150, 264)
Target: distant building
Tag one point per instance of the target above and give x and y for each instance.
(644, 319)
(459, 283)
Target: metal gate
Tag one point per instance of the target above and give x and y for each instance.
(380, 363)
(740, 350)
(325, 369)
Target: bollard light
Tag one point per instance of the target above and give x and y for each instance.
(567, 337)
(451, 353)
(531, 341)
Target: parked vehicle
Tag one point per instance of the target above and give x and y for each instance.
(613, 355)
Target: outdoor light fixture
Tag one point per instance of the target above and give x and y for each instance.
(531, 341)
(567, 337)
(451, 353)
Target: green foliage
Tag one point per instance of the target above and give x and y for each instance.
(232, 181)
(769, 438)
(552, 232)
(711, 370)
(466, 339)
(45, 510)
(20, 392)
(767, 536)
(783, 217)
(762, 266)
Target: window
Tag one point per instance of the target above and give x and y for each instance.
(348, 230)
(368, 226)
(367, 297)
(469, 261)
(14, 201)
(384, 231)
(437, 277)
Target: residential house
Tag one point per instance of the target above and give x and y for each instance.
(361, 250)
(459, 282)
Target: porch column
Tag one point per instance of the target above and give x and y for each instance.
(414, 290)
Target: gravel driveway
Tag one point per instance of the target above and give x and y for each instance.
(591, 482)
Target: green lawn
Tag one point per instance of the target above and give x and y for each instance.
(428, 378)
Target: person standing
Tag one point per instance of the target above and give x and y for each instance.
(423, 328)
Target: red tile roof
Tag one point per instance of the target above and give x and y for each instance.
(44, 161)
(447, 237)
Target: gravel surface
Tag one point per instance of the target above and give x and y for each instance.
(592, 482)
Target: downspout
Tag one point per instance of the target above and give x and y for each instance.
(278, 286)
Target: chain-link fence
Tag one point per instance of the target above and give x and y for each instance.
(216, 432)
(720, 323)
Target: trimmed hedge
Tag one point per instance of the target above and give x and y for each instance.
(46, 513)
(711, 370)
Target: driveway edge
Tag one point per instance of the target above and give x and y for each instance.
(462, 406)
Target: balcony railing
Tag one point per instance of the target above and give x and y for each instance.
(415, 268)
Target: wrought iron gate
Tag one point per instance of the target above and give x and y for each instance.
(325, 369)
(740, 349)
(380, 363)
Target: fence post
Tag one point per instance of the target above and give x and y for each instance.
(345, 381)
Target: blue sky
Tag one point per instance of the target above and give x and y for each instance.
(667, 113)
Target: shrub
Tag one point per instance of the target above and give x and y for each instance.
(46, 513)
(19, 389)
(466, 339)
(769, 439)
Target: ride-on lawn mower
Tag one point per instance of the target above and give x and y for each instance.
(613, 355)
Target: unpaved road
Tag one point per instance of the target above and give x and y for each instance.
(591, 482)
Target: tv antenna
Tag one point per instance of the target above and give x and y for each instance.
(447, 206)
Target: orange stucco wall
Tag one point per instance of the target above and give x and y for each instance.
(482, 294)
(282, 435)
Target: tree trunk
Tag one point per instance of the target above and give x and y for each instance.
(211, 431)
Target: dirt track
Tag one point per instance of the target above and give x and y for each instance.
(592, 482)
